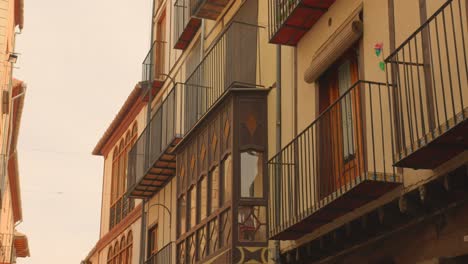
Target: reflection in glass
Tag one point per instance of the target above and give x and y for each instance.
(226, 166)
(203, 187)
(182, 212)
(252, 223)
(214, 185)
(252, 174)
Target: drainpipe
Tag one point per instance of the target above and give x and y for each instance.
(148, 120)
(278, 136)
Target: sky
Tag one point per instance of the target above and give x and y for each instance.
(80, 60)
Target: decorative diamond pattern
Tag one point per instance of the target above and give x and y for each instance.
(251, 124)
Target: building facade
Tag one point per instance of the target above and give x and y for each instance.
(119, 239)
(13, 244)
(301, 131)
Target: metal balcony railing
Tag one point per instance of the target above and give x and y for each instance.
(185, 26)
(156, 139)
(154, 63)
(350, 143)
(164, 255)
(430, 72)
(120, 210)
(232, 61)
(290, 19)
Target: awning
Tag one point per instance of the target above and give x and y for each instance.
(344, 37)
(21, 245)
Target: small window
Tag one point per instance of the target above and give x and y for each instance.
(203, 198)
(182, 220)
(251, 174)
(153, 241)
(252, 223)
(193, 207)
(226, 169)
(214, 189)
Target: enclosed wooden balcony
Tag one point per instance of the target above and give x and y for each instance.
(291, 19)
(151, 162)
(154, 70)
(185, 25)
(340, 162)
(430, 73)
(209, 9)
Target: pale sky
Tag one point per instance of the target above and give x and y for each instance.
(80, 60)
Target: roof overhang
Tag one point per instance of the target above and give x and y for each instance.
(21, 245)
(19, 13)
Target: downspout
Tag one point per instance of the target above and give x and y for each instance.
(278, 138)
(148, 120)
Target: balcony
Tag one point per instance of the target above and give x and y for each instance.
(340, 162)
(291, 19)
(154, 71)
(232, 61)
(119, 210)
(209, 9)
(164, 255)
(151, 161)
(186, 26)
(430, 72)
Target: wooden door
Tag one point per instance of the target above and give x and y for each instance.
(340, 127)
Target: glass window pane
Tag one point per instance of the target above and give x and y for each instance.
(203, 198)
(227, 179)
(344, 83)
(252, 223)
(193, 207)
(225, 234)
(213, 236)
(214, 185)
(252, 174)
(182, 212)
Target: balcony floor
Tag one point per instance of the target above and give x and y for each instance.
(211, 9)
(299, 21)
(438, 146)
(189, 32)
(352, 196)
(158, 175)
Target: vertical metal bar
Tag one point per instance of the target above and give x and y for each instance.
(449, 68)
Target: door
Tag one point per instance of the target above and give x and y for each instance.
(340, 126)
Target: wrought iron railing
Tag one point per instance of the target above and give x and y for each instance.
(349, 142)
(279, 11)
(153, 65)
(163, 129)
(182, 18)
(232, 61)
(430, 72)
(164, 255)
(119, 210)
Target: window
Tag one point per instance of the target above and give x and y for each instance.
(129, 248)
(252, 223)
(226, 168)
(344, 83)
(182, 220)
(193, 207)
(120, 205)
(214, 189)
(251, 174)
(110, 255)
(203, 198)
(153, 241)
(123, 251)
